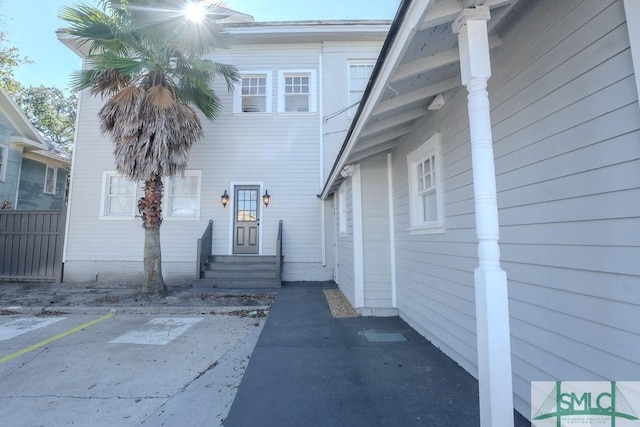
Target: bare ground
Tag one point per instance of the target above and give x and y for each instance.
(60, 295)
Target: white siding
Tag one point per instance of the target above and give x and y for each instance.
(566, 126)
(281, 151)
(345, 261)
(377, 254)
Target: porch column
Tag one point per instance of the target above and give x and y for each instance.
(492, 305)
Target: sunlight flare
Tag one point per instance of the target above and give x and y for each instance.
(195, 11)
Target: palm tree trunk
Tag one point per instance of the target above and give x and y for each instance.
(151, 210)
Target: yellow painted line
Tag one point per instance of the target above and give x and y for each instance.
(54, 338)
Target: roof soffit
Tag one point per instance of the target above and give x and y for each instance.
(424, 64)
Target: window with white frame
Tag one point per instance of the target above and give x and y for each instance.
(3, 163)
(50, 180)
(183, 196)
(253, 93)
(425, 188)
(359, 74)
(119, 196)
(342, 208)
(297, 91)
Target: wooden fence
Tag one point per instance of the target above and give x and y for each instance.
(31, 245)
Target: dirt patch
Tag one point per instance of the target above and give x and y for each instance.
(339, 304)
(59, 295)
(51, 313)
(258, 314)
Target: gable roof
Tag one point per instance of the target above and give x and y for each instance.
(417, 67)
(29, 138)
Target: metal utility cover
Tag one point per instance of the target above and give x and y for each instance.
(377, 336)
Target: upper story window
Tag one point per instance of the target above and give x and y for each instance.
(253, 93)
(119, 197)
(50, 180)
(425, 188)
(359, 74)
(297, 91)
(183, 196)
(3, 163)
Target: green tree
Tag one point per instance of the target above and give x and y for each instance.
(10, 59)
(47, 108)
(50, 110)
(146, 58)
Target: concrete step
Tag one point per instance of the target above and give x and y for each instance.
(241, 271)
(249, 273)
(242, 259)
(240, 283)
(232, 266)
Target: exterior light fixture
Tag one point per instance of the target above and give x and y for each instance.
(224, 199)
(266, 198)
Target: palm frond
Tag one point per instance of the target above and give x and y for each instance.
(147, 59)
(90, 25)
(229, 73)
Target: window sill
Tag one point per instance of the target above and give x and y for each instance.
(117, 218)
(432, 229)
(183, 218)
(296, 113)
(257, 114)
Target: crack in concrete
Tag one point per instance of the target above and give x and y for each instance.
(49, 396)
(34, 356)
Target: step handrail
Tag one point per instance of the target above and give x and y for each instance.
(204, 249)
(279, 252)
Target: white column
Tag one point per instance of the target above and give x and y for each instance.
(492, 305)
(358, 241)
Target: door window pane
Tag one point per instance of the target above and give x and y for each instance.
(247, 205)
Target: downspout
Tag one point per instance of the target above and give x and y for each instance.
(323, 229)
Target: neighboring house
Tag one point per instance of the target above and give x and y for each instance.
(559, 135)
(268, 137)
(33, 170)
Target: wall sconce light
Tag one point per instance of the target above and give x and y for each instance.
(266, 198)
(224, 199)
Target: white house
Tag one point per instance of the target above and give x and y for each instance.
(510, 120)
(486, 189)
(269, 137)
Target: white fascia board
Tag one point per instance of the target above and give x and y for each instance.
(294, 28)
(22, 142)
(43, 156)
(632, 12)
(407, 30)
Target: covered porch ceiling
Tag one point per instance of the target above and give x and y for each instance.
(418, 67)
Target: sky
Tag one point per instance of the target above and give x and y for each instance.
(30, 25)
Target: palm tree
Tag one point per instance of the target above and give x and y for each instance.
(146, 59)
